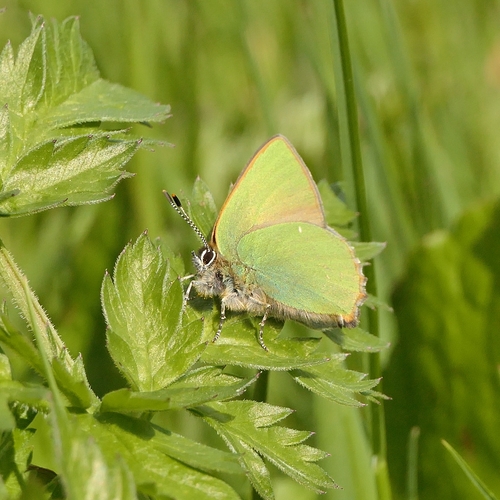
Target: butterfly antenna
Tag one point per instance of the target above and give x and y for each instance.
(177, 205)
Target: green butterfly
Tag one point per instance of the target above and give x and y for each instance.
(271, 253)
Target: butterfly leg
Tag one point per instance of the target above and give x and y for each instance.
(261, 331)
(221, 321)
(188, 291)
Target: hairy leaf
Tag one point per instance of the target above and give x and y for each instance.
(149, 337)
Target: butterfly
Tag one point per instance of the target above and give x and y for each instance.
(271, 252)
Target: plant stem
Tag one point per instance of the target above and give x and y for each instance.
(30, 308)
(353, 167)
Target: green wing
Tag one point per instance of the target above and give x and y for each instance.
(304, 266)
(275, 187)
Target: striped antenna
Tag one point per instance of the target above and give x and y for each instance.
(177, 205)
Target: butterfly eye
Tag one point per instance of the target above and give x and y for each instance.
(207, 256)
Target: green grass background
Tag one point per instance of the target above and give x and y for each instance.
(427, 76)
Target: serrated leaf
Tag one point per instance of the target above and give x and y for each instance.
(255, 468)
(85, 473)
(70, 62)
(333, 381)
(175, 260)
(23, 87)
(52, 85)
(67, 172)
(108, 102)
(85, 470)
(70, 374)
(356, 339)
(154, 472)
(247, 424)
(195, 454)
(149, 337)
(36, 397)
(73, 383)
(238, 345)
(336, 211)
(375, 303)
(205, 384)
(367, 250)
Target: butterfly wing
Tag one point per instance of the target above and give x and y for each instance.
(275, 187)
(304, 266)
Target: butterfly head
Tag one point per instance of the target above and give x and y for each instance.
(210, 279)
(204, 259)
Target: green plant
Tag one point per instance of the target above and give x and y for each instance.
(64, 439)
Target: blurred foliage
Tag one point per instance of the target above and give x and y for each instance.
(448, 358)
(428, 83)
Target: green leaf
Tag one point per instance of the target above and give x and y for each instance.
(85, 470)
(174, 259)
(247, 425)
(14, 392)
(7, 422)
(16, 448)
(67, 172)
(108, 102)
(443, 375)
(73, 383)
(4, 140)
(69, 61)
(70, 374)
(47, 92)
(238, 345)
(88, 472)
(333, 381)
(26, 300)
(356, 339)
(150, 338)
(142, 448)
(5, 371)
(20, 344)
(70, 377)
(337, 213)
(375, 302)
(367, 250)
(255, 468)
(474, 479)
(198, 387)
(195, 454)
